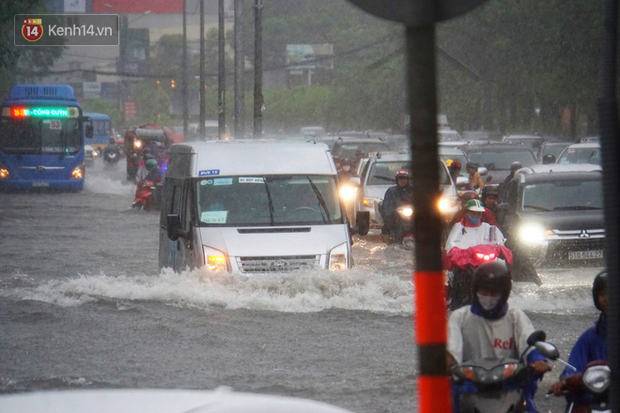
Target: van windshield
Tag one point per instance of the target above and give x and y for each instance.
(253, 200)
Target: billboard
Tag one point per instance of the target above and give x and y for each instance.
(309, 56)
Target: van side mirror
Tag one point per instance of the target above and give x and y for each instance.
(362, 223)
(173, 225)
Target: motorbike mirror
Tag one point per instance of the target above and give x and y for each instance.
(537, 335)
(483, 170)
(547, 349)
(362, 219)
(355, 180)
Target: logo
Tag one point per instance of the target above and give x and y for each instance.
(40, 168)
(278, 265)
(584, 234)
(32, 29)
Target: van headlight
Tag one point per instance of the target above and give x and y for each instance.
(338, 258)
(215, 260)
(532, 233)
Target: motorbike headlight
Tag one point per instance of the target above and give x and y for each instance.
(406, 211)
(347, 192)
(532, 233)
(338, 258)
(215, 261)
(597, 378)
(137, 144)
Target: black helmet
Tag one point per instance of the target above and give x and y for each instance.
(599, 287)
(466, 196)
(490, 190)
(494, 276)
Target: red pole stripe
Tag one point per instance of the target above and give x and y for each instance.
(434, 394)
(430, 308)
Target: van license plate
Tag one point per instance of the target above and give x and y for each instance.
(585, 255)
(40, 184)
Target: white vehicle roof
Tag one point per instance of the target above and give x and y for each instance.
(557, 167)
(589, 145)
(257, 157)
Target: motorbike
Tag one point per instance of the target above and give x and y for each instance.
(404, 217)
(594, 382)
(497, 382)
(111, 158)
(461, 266)
(145, 196)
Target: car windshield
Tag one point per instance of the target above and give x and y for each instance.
(581, 155)
(384, 172)
(563, 195)
(494, 160)
(268, 200)
(347, 150)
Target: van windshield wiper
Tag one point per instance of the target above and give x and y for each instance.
(321, 201)
(536, 207)
(384, 178)
(271, 213)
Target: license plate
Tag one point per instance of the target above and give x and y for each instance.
(40, 184)
(585, 255)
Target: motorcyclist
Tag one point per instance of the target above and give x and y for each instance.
(591, 346)
(490, 328)
(143, 170)
(472, 231)
(154, 174)
(346, 172)
(503, 186)
(111, 148)
(455, 170)
(395, 197)
(475, 180)
(487, 216)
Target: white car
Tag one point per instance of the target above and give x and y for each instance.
(581, 153)
(378, 176)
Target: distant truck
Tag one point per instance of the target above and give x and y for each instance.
(253, 207)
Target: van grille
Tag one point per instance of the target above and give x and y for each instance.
(277, 264)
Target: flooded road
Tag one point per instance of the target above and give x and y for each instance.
(83, 305)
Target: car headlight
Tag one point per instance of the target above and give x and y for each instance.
(447, 205)
(532, 233)
(215, 260)
(4, 173)
(338, 258)
(347, 192)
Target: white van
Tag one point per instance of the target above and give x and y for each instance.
(253, 207)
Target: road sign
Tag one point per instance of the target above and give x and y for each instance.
(417, 12)
(130, 110)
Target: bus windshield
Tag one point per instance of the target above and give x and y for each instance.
(39, 135)
(268, 200)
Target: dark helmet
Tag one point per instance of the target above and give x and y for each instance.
(147, 156)
(548, 158)
(494, 276)
(466, 196)
(492, 190)
(402, 173)
(151, 164)
(599, 287)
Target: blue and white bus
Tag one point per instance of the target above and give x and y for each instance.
(102, 130)
(42, 138)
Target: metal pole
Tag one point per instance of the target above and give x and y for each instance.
(430, 313)
(239, 72)
(184, 66)
(221, 74)
(201, 93)
(610, 145)
(258, 68)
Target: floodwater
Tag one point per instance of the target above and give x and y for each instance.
(83, 305)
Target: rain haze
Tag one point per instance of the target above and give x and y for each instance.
(267, 283)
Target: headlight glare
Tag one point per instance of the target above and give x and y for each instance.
(532, 233)
(347, 192)
(215, 260)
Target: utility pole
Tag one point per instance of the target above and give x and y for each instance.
(239, 72)
(201, 93)
(221, 73)
(184, 74)
(258, 68)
